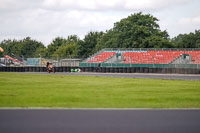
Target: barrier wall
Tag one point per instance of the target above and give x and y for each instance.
(105, 69)
(35, 69)
(141, 70)
(195, 66)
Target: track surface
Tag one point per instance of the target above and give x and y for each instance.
(134, 75)
(99, 121)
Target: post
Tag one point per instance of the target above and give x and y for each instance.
(131, 61)
(23, 60)
(175, 61)
(57, 59)
(153, 61)
(40, 60)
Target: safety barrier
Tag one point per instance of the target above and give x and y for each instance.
(105, 70)
(195, 66)
(34, 69)
(140, 70)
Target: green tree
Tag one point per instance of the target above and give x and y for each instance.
(137, 31)
(26, 47)
(6, 45)
(191, 40)
(67, 51)
(40, 52)
(56, 43)
(68, 48)
(87, 46)
(55, 48)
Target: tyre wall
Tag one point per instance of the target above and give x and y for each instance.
(105, 70)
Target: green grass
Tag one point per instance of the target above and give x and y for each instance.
(35, 90)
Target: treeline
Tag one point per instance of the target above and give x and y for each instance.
(136, 31)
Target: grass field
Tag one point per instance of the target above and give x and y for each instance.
(35, 90)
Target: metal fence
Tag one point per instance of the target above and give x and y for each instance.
(41, 62)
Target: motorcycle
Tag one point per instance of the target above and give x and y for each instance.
(50, 68)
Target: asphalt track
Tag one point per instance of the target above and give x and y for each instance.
(99, 121)
(132, 75)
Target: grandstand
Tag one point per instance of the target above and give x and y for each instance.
(149, 57)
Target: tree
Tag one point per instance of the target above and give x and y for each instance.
(59, 43)
(191, 40)
(56, 43)
(137, 31)
(40, 52)
(87, 46)
(67, 51)
(26, 47)
(68, 48)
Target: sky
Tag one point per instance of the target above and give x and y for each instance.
(44, 20)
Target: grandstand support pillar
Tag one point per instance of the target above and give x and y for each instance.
(175, 62)
(23, 61)
(131, 61)
(40, 60)
(153, 61)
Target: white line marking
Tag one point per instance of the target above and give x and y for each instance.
(42, 108)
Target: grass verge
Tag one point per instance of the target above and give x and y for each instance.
(37, 90)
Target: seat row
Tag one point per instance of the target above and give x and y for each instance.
(101, 57)
(148, 57)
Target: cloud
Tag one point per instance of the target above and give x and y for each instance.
(122, 5)
(18, 5)
(94, 5)
(40, 23)
(46, 19)
(190, 20)
(188, 24)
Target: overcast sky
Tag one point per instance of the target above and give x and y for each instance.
(45, 20)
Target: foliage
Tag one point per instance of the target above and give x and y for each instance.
(191, 40)
(63, 48)
(89, 43)
(26, 47)
(137, 31)
(68, 50)
(56, 43)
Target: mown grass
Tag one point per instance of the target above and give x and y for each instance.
(36, 90)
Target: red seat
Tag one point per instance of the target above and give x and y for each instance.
(158, 57)
(101, 57)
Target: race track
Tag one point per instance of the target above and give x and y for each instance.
(132, 75)
(99, 121)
